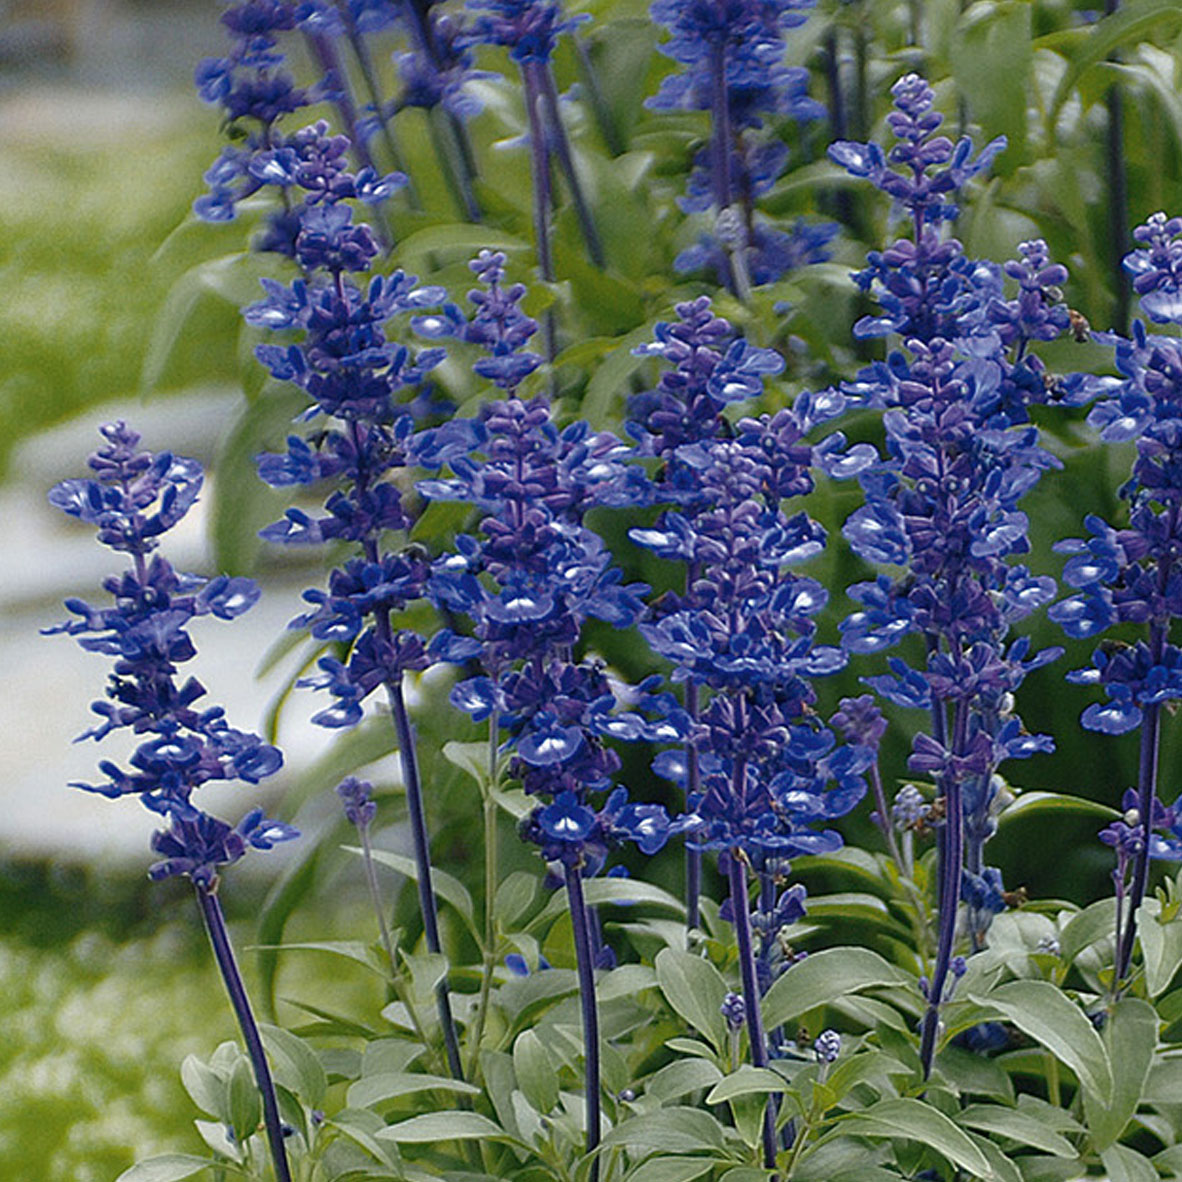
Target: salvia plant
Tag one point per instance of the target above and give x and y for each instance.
(737, 640)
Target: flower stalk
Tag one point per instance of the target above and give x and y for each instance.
(219, 938)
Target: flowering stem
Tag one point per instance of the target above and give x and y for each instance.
(693, 857)
(427, 905)
(324, 52)
(1147, 769)
(599, 106)
(464, 168)
(566, 162)
(951, 847)
(884, 817)
(375, 895)
(584, 960)
(490, 893)
(740, 907)
(1118, 194)
(365, 65)
(1146, 796)
(219, 938)
(540, 172)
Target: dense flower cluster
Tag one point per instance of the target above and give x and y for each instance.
(924, 283)
(530, 582)
(731, 53)
(1131, 575)
(132, 499)
(763, 776)
(942, 507)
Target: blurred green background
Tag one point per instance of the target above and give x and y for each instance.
(105, 983)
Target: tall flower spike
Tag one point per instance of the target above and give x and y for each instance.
(921, 282)
(133, 497)
(364, 388)
(731, 52)
(763, 776)
(943, 505)
(528, 580)
(1131, 575)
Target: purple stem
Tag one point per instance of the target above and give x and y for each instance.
(219, 938)
(408, 755)
(1147, 770)
(693, 858)
(562, 150)
(465, 171)
(740, 907)
(884, 815)
(951, 848)
(584, 960)
(540, 172)
(325, 54)
(599, 105)
(365, 63)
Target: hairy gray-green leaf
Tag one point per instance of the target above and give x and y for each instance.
(295, 1064)
(535, 1072)
(696, 990)
(1130, 1036)
(171, 1167)
(1051, 1018)
(921, 1123)
(819, 978)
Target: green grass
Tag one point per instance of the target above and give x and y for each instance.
(81, 218)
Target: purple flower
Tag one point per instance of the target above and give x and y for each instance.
(132, 499)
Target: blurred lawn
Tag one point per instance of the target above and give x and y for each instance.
(82, 213)
(106, 985)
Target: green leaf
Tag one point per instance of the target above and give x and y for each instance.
(353, 950)
(460, 239)
(206, 1087)
(671, 1169)
(627, 980)
(523, 997)
(443, 1126)
(992, 40)
(233, 278)
(169, 1167)
(1131, 23)
(293, 886)
(608, 386)
(600, 891)
(471, 758)
(1051, 1018)
(535, 1072)
(819, 978)
(1017, 1126)
(447, 887)
(1038, 803)
(1095, 922)
(1161, 946)
(922, 1123)
(682, 1076)
(515, 898)
(668, 1130)
(372, 1090)
(295, 1064)
(690, 1046)
(246, 1106)
(1130, 1036)
(696, 990)
(1127, 1165)
(241, 504)
(1003, 1167)
(745, 1081)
